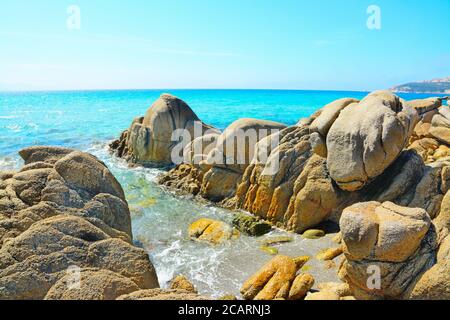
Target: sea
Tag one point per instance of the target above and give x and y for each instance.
(90, 120)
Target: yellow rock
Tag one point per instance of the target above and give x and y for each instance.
(276, 240)
(306, 268)
(340, 289)
(442, 152)
(212, 231)
(337, 238)
(272, 281)
(329, 254)
(228, 297)
(313, 234)
(270, 250)
(301, 261)
(322, 296)
(300, 287)
(182, 283)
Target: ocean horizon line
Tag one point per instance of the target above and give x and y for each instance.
(180, 89)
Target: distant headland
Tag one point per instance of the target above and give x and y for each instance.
(441, 86)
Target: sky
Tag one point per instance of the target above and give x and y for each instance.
(208, 44)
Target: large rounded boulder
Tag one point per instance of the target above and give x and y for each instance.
(65, 224)
(151, 139)
(367, 137)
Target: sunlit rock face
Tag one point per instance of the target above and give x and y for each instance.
(64, 215)
(347, 152)
(150, 139)
(367, 137)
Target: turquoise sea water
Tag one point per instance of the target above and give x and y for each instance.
(90, 120)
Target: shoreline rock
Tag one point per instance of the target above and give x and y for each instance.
(379, 166)
(65, 231)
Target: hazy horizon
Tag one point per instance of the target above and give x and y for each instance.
(50, 45)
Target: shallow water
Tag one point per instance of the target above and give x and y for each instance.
(89, 120)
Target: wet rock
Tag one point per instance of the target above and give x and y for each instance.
(301, 261)
(329, 254)
(313, 234)
(272, 281)
(212, 231)
(182, 283)
(277, 240)
(251, 225)
(270, 250)
(300, 287)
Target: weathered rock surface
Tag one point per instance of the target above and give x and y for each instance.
(397, 243)
(329, 114)
(380, 128)
(440, 125)
(251, 225)
(149, 141)
(278, 280)
(384, 160)
(182, 283)
(63, 210)
(299, 186)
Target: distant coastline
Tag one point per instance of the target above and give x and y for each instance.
(435, 86)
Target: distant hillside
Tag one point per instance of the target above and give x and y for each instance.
(431, 86)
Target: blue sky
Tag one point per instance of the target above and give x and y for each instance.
(284, 44)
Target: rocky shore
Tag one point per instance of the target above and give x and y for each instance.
(65, 233)
(379, 167)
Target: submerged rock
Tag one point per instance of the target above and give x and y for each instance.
(212, 231)
(313, 234)
(270, 250)
(329, 254)
(276, 240)
(251, 225)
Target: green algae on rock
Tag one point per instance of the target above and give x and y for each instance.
(251, 225)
